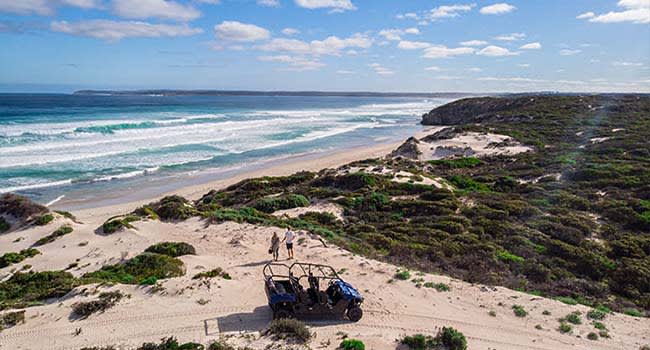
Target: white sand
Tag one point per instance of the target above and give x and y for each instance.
(238, 307)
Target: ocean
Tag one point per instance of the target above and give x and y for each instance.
(60, 147)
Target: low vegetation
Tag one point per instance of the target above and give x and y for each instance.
(145, 268)
(11, 319)
(289, 328)
(289, 201)
(20, 208)
(170, 208)
(216, 272)
(43, 219)
(519, 311)
(352, 344)
(61, 231)
(4, 225)
(448, 338)
(118, 223)
(105, 301)
(171, 344)
(173, 249)
(30, 288)
(14, 258)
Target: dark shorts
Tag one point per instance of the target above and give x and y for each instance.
(289, 245)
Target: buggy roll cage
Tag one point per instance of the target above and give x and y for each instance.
(304, 270)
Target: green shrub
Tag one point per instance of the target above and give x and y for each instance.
(171, 344)
(599, 325)
(592, 336)
(61, 231)
(115, 224)
(4, 225)
(24, 288)
(43, 219)
(573, 318)
(139, 269)
(291, 328)
(519, 311)
(468, 184)
(565, 327)
(173, 249)
(596, 314)
(220, 345)
(11, 319)
(216, 272)
(14, 258)
(352, 344)
(403, 275)
(457, 163)
(272, 204)
(419, 342)
(452, 339)
(440, 287)
(509, 257)
(567, 300)
(634, 313)
(169, 208)
(66, 214)
(106, 301)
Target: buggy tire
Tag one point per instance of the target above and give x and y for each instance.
(355, 313)
(282, 313)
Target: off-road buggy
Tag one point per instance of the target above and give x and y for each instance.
(295, 291)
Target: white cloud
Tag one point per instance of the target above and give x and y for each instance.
(290, 31)
(396, 34)
(330, 46)
(475, 69)
(381, 70)
(433, 69)
(116, 30)
(635, 11)
(296, 64)
(336, 5)
(412, 45)
(155, 8)
(497, 9)
(242, 32)
(43, 7)
(441, 51)
(586, 15)
(412, 30)
(531, 46)
(569, 52)
(524, 65)
(474, 43)
(627, 64)
(269, 3)
(449, 11)
(496, 51)
(345, 72)
(510, 37)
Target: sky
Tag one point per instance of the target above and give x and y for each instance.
(326, 45)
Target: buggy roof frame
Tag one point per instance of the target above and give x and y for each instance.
(303, 269)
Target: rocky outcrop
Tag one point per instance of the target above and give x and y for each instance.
(474, 110)
(442, 134)
(409, 149)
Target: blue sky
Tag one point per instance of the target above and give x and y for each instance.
(351, 45)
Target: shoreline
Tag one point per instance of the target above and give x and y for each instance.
(91, 209)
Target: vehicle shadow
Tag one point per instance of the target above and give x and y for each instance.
(255, 264)
(253, 321)
(257, 320)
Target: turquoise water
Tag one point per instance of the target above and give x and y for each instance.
(52, 146)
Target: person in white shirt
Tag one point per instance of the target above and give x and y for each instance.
(289, 236)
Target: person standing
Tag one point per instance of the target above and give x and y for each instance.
(275, 246)
(288, 237)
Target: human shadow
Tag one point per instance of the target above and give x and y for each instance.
(255, 264)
